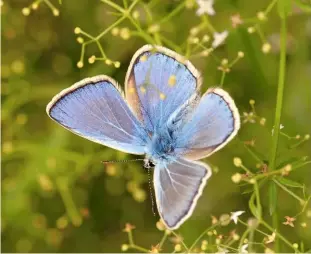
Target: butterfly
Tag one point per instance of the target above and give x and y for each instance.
(162, 116)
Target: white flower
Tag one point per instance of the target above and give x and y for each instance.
(271, 238)
(281, 127)
(219, 38)
(221, 250)
(205, 6)
(235, 216)
(244, 248)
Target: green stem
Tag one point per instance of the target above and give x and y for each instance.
(250, 53)
(297, 144)
(171, 44)
(200, 236)
(37, 2)
(251, 240)
(257, 230)
(131, 241)
(279, 100)
(101, 49)
(270, 6)
(278, 236)
(146, 36)
(113, 5)
(246, 232)
(208, 24)
(50, 5)
(302, 202)
(136, 247)
(125, 3)
(132, 5)
(71, 209)
(182, 242)
(278, 113)
(222, 78)
(110, 27)
(163, 240)
(173, 13)
(257, 193)
(250, 151)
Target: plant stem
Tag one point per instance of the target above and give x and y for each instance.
(278, 112)
(163, 239)
(302, 202)
(258, 230)
(70, 206)
(257, 193)
(222, 78)
(110, 27)
(182, 242)
(278, 236)
(246, 232)
(136, 247)
(131, 240)
(113, 5)
(173, 13)
(200, 236)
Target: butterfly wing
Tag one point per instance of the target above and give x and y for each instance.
(158, 81)
(214, 122)
(178, 187)
(94, 109)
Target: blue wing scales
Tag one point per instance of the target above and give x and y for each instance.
(94, 109)
(213, 123)
(157, 83)
(178, 186)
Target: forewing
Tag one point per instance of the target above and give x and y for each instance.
(214, 122)
(178, 187)
(158, 81)
(94, 109)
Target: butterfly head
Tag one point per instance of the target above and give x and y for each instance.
(148, 163)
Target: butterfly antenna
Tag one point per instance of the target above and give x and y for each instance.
(151, 192)
(120, 161)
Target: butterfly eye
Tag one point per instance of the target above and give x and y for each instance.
(149, 164)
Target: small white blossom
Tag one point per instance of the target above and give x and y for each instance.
(205, 6)
(221, 250)
(249, 117)
(281, 127)
(219, 38)
(271, 238)
(244, 248)
(235, 216)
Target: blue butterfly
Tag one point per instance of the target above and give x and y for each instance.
(162, 116)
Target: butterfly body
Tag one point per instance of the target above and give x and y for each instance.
(161, 147)
(162, 117)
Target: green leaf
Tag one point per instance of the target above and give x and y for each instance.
(272, 198)
(289, 183)
(253, 208)
(251, 204)
(284, 8)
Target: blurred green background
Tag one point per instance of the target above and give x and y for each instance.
(57, 196)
